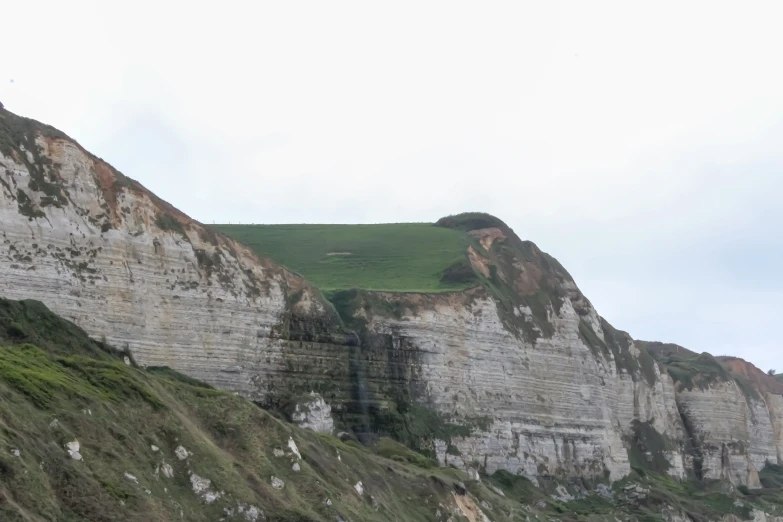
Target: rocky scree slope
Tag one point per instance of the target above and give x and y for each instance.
(518, 373)
(85, 434)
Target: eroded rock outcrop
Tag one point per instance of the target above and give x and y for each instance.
(312, 412)
(731, 411)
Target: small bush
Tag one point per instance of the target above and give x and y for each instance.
(169, 223)
(16, 331)
(458, 273)
(468, 221)
(26, 207)
(395, 451)
(696, 371)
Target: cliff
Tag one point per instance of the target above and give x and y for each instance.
(536, 381)
(732, 413)
(515, 373)
(87, 435)
(102, 251)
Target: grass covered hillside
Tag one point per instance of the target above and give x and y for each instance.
(405, 257)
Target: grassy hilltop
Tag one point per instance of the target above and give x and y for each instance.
(403, 257)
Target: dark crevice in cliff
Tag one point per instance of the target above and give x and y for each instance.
(692, 444)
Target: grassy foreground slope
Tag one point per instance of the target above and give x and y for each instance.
(403, 257)
(155, 445)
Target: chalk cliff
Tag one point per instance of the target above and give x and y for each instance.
(105, 253)
(545, 386)
(519, 373)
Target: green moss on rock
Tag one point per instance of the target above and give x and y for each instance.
(26, 206)
(698, 371)
(169, 223)
(619, 343)
(647, 448)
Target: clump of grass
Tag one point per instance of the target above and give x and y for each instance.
(698, 371)
(701, 501)
(772, 475)
(647, 448)
(620, 345)
(45, 379)
(169, 223)
(514, 486)
(459, 272)
(393, 450)
(32, 322)
(208, 262)
(26, 206)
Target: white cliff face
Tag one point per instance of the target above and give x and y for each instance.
(127, 267)
(736, 432)
(654, 404)
(558, 402)
(555, 408)
(775, 405)
(100, 250)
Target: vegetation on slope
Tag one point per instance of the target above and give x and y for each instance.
(468, 221)
(130, 424)
(401, 257)
(690, 370)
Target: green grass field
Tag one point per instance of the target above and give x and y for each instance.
(403, 257)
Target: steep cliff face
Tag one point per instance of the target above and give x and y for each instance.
(542, 386)
(540, 383)
(731, 411)
(518, 373)
(102, 251)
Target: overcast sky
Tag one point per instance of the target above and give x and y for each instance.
(639, 143)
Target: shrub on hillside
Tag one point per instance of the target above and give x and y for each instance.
(471, 221)
(458, 273)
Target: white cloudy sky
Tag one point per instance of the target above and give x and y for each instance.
(639, 143)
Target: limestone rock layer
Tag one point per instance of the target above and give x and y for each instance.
(519, 373)
(100, 250)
